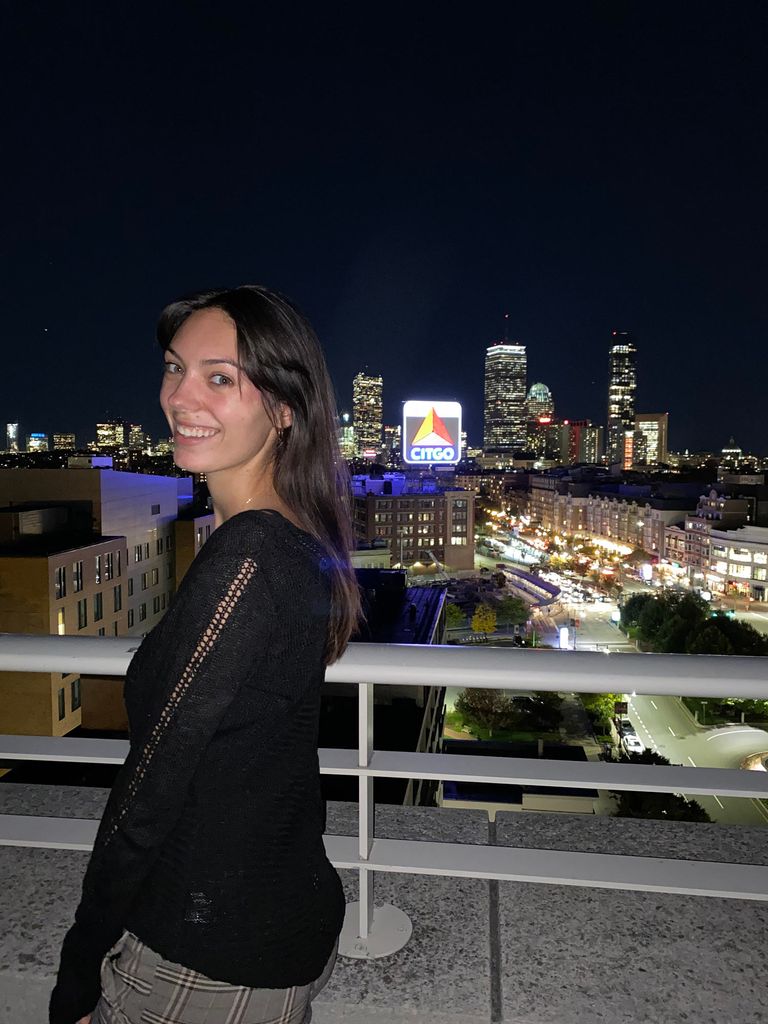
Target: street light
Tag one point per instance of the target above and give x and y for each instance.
(703, 711)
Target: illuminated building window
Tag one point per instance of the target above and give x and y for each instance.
(60, 582)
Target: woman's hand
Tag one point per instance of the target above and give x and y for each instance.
(85, 1020)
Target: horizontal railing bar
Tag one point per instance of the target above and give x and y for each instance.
(465, 667)
(398, 764)
(66, 749)
(420, 857)
(47, 833)
(525, 771)
(565, 867)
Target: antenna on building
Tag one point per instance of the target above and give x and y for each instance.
(506, 327)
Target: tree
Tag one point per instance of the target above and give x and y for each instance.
(512, 610)
(454, 617)
(710, 640)
(631, 609)
(684, 616)
(600, 707)
(541, 711)
(743, 638)
(490, 709)
(651, 619)
(664, 806)
(484, 619)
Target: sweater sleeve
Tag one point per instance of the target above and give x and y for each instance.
(209, 643)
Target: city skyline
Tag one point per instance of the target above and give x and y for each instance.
(621, 346)
(404, 220)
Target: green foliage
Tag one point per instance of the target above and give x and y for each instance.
(454, 617)
(743, 638)
(484, 619)
(674, 623)
(632, 608)
(664, 806)
(710, 640)
(495, 710)
(491, 709)
(541, 712)
(512, 610)
(599, 707)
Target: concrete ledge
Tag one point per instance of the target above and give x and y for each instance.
(442, 975)
(588, 955)
(480, 951)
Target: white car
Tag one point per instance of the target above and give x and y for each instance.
(631, 744)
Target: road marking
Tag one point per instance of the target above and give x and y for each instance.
(654, 704)
(730, 732)
(671, 729)
(718, 800)
(692, 761)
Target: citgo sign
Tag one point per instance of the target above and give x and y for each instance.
(431, 433)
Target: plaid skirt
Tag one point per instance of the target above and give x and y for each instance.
(139, 987)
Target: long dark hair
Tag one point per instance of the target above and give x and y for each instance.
(280, 354)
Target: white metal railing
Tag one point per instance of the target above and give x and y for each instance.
(378, 931)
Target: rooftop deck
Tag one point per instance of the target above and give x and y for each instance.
(535, 919)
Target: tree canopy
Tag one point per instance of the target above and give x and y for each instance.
(675, 623)
(484, 619)
(512, 610)
(454, 616)
(664, 806)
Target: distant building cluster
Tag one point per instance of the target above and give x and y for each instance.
(520, 425)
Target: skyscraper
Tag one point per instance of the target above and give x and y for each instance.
(504, 414)
(653, 429)
(135, 436)
(37, 442)
(346, 437)
(621, 395)
(110, 434)
(64, 442)
(367, 414)
(12, 436)
(539, 402)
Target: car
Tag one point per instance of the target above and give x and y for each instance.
(626, 728)
(631, 744)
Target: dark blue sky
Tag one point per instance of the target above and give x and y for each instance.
(407, 174)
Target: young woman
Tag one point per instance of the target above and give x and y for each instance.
(209, 898)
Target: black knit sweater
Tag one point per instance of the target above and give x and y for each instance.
(210, 849)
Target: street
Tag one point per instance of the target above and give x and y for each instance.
(666, 726)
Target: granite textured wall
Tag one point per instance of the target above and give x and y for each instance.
(480, 951)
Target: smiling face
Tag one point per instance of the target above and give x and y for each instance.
(218, 417)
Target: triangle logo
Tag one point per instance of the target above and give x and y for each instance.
(432, 431)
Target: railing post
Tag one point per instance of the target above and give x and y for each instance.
(369, 932)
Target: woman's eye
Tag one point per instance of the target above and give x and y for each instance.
(171, 368)
(220, 379)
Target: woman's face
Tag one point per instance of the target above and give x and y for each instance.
(217, 416)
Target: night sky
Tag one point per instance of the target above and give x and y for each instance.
(407, 174)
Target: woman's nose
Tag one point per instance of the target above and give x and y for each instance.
(184, 394)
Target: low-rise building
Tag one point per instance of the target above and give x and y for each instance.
(738, 563)
(419, 519)
(57, 577)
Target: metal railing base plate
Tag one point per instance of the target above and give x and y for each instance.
(390, 931)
